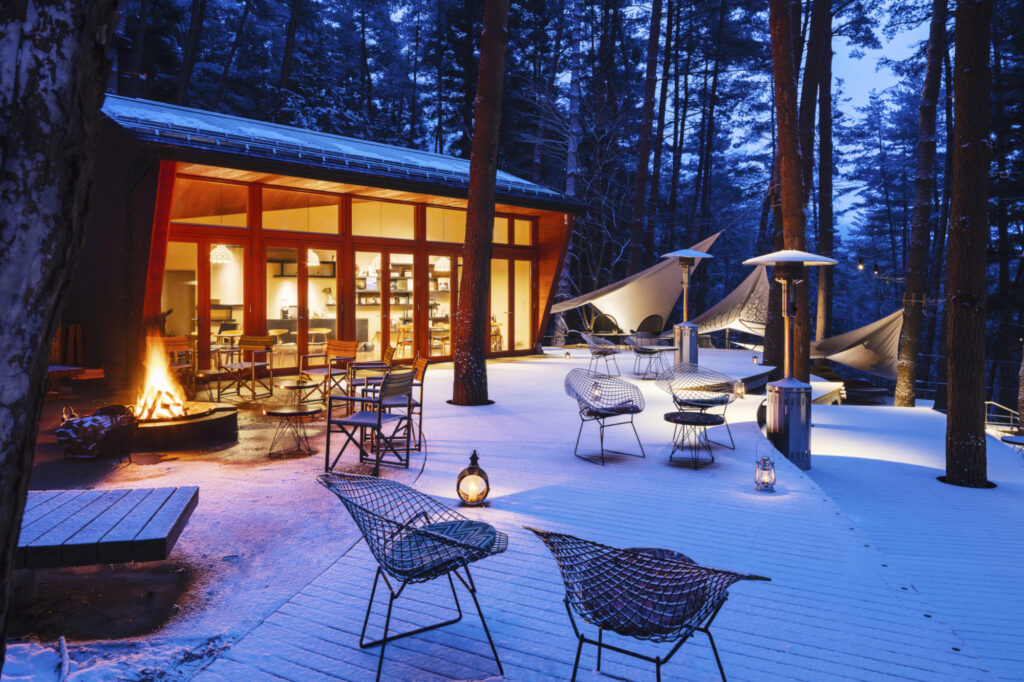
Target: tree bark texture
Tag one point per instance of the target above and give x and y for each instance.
(790, 184)
(472, 327)
(294, 8)
(654, 203)
(188, 57)
(643, 152)
(49, 107)
(817, 42)
(826, 228)
(968, 238)
(920, 222)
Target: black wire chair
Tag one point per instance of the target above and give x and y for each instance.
(414, 539)
(601, 349)
(600, 398)
(647, 360)
(693, 387)
(649, 594)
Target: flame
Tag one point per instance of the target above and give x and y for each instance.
(162, 397)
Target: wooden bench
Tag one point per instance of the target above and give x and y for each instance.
(85, 527)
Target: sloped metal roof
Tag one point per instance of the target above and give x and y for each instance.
(182, 127)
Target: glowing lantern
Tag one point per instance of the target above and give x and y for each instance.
(860, 265)
(754, 359)
(764, 476)
(312, 259)
(568, 355)
(221, 254)
(443, 264)
(472, 484)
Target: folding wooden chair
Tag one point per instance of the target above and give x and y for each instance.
(243, 369)
(332, 373)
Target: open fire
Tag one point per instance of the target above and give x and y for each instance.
(161, 397)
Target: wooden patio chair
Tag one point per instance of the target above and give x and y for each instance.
(244, 370)
(332, 373)
(181, 362)
(657, 595)
(414, 539)
(600, 398)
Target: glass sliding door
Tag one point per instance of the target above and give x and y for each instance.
(401, 305)
(321, 297)
(523, 308)
(499, 333)
(439, 305)
(180, 294)
(283, 305)
(369, 304)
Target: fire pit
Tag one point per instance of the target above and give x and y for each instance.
(169, 422)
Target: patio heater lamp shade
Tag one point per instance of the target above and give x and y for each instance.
(687, 259)
(472, 484)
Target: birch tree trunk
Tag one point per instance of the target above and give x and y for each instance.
(917, 265)
(968, 238)
(643, 147)
(790, 184)
(472, 327)
(49, 107)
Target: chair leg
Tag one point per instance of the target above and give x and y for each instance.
(714, 650)
(576, 449)
(471, 587)
(600, 639)
(576, 665)
(633, 425)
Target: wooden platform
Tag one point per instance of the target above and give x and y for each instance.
(84, 527)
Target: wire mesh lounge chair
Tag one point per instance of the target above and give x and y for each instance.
(414, 539)
(693, 387)
(606, 326)
(601, 349)
(600, 398)
(650, 594)
(652, 324)
(647, 360)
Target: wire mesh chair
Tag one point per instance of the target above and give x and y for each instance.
(601, 349)
(647, 361)
(693, 387)
(600, 398)
(414, 539)
(649, 594)
(652, 324)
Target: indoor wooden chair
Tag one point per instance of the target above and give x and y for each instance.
(244, 371)
(181, 362)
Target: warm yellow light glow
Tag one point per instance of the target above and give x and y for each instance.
(765, 474)
(221, 254)
(161, 397)
(443, 264)
(472, 489)
(312, 259)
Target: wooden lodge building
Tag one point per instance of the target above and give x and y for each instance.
(224, 225)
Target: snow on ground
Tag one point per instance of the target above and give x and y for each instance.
(878, 571)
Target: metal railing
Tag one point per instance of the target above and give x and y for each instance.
(1001, 416)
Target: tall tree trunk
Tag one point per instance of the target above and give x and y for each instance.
(235, 42)
(294, 8)
(49, 108)
(133, 84)
(817, 42)
(543, 117)
(968, 238)
(790, 185)
(917, 267)
(191, 48)
(654, 207)
(643, 152)
(414, 98)
(365, 79)
(439, 81)
(826, 228)
(472, 328)
(680, 110)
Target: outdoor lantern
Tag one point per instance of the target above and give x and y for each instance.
(472, 484)
(312, 259)
(754, 359)
(860, 265)
(221, 254)
(568, 355)
(765, 476)
(740, 389)
(875, 270)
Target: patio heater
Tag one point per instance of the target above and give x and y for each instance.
(789, 400)
(684, 334)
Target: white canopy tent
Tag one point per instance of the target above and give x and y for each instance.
(871, 348)
(653, 291)
(744, 309)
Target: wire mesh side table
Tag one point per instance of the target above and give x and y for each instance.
(691, 434)
(291, 422)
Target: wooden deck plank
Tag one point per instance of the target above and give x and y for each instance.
(45, 551)
(37, 497)
(82, 549)
(57, 516)
(39, 512)
(156, 539)
(117, 544)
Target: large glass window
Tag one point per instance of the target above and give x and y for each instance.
(523, 232)
(227, 296)
(382, 219)
(368, 304)
(283, 304)
(320, 297)
(209, 203)
(446, 225)
(300, 211)
(179, 297)
(501, 230)
(439, 273)
(401, 304)
(523, 299)
(499, 305)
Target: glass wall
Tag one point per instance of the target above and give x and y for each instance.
(446, 225)
(383, 219)
(283, 304)
(499, 305)
(300, 211)
(523, 300)
(501, 230)
(368, 305)
(321, 298)
(402, 304)
(180, 292)
(227, 297)
(523, 232)
(205, 202)
(439, 306)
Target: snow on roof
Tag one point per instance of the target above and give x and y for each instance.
(168, 124)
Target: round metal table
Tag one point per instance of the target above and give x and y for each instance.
(691, 433)
(290, 423)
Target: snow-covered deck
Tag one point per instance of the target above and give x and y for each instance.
(878, 571)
